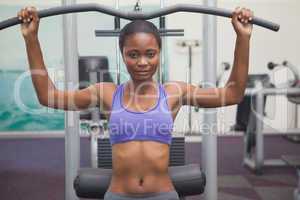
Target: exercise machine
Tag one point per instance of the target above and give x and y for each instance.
(209, 152)
(250, 115)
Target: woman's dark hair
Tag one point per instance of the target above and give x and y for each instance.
(138, 26)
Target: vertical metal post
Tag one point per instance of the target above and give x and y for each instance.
(118, 26)
(95, 126)
(95, 112)
(189, 80)
(72, 139)
(259, 150)
(209, 143)
(162, 25)
(296, 116)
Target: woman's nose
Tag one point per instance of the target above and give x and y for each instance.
(142, 61)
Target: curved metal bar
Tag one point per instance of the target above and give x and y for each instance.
(138, 15)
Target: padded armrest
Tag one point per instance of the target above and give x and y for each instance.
(94, 182)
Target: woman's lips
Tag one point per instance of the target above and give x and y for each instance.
(142, 72)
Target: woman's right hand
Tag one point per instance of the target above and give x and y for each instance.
(30, 22)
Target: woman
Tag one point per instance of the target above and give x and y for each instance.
(141, 111)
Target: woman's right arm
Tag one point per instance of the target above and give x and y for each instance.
(47, 93)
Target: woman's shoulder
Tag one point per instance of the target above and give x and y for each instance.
(175, 87)
(106, 85)
(106, 88)
(105, 91)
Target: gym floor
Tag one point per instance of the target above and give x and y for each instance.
(33, 169)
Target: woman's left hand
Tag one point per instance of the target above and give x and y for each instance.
(241, 18)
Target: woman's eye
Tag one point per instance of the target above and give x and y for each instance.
(150, 54)
(133, 55)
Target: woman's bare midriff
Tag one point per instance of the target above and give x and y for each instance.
(140, 167)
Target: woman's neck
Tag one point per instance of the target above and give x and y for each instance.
(141, 87)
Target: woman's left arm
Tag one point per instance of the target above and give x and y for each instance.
(233, 91)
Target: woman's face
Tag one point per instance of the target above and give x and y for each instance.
(141, 55)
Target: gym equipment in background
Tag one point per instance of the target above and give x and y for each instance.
(250, 115)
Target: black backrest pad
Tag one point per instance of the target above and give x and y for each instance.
(92, 183)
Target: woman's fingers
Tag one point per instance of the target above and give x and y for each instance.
(20, 15)
(243, 15)
(235, 14)
(241, 18)
(23, 14)
(33, 13)
(251, 15)
(27, 14)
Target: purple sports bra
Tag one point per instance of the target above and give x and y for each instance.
(155, 124)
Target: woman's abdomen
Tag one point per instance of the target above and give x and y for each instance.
(140, 167)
